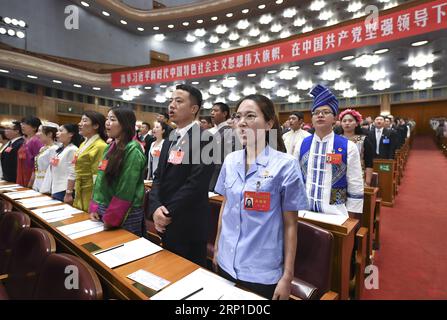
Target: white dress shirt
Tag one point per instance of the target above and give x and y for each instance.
(321, 189)
(293, 139)
(378, 137)
(64, 170)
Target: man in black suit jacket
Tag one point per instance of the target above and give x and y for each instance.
(9, 153)
(145, 137)
(178, 201)
(383, 140)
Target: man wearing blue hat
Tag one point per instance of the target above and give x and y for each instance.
(330, 164)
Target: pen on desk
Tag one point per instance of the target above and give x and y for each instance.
(191, 294)
(102, 251)
(46, 211)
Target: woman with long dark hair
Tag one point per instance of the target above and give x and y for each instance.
(28, 151)
(351, 121)
(263, 191)
(61, 166)
(119, 188)
(160, 132)
(87, 158)
(47, 135)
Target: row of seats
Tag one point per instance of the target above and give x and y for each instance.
(312, 276)
(30, 268)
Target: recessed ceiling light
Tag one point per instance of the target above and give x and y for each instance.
(140, 29)
(171, 26)
(7, 20)
(251, 75)
(85, 4)
(96, 88)
(347, 58)
(4, 71)
(163, 86)
(229, 15)
(31, 76)
(419, 43)
(106, 13)
(117, 90)
(11, 32)
(294, 68)
(57, 81)
(148, 88)
(214, 18)
(279, 1)
(123, 21)
(319, 63)
(199, 21)
(213, 80)
(261, 6)
(20, 34)
(245, 11)
(381, 51)
(159, 37)
(186, 23)
(2, 30)
(195, 82)
(156, 28)
(77, 85)
(272, 71)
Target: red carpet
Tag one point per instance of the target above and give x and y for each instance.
(412, 260)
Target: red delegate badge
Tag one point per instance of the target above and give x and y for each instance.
(333, 158)
(8, 150)
(103, 165)
(54, 162)
(156, 153)
(176, 157)
(257, 201)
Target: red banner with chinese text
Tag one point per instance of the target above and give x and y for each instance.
(424, 18)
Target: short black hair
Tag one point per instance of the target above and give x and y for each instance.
(16, 126)
(195, 93)
(380, 116)
(207, 119)
(223, 108)
(298, 114)
(165, 114)
(146, 124)
(32, 121)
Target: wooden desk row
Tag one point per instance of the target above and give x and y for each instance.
(114, 281)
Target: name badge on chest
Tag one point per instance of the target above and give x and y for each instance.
(386, 140)
(176, 156)
(103, 165)
(156, 153)
(333, 158)
(8, 150)
(257, 201)
(54, 162)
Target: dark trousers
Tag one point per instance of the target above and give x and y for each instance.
(59, 196)
(193, 251)
(265, 290)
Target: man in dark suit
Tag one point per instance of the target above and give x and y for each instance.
(222, 137)
(146, 137)
(9, 154)
(178, 201)
(383, 140)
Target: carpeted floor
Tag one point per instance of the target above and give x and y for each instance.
(412, 260)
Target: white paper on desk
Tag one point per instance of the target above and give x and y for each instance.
(129, 251)
(33, 200)
(10, 186)
(235, 293)
(22, 194)
(214, 287)
(57, 217)
(149, 279)
(83, 228)
(212, 194)
(40, 203)
(65, 208)
(323, 217)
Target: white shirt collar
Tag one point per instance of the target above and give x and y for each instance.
(326, 138)
(15, 139)
(181, 132)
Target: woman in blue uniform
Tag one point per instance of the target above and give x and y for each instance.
(256, 243)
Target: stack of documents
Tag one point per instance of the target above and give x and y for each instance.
(22, 194)
(127, 252)
(56, 213)
(204, 285)
(81, 229)
(37, 202)
(323, 217)
(10, 187)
